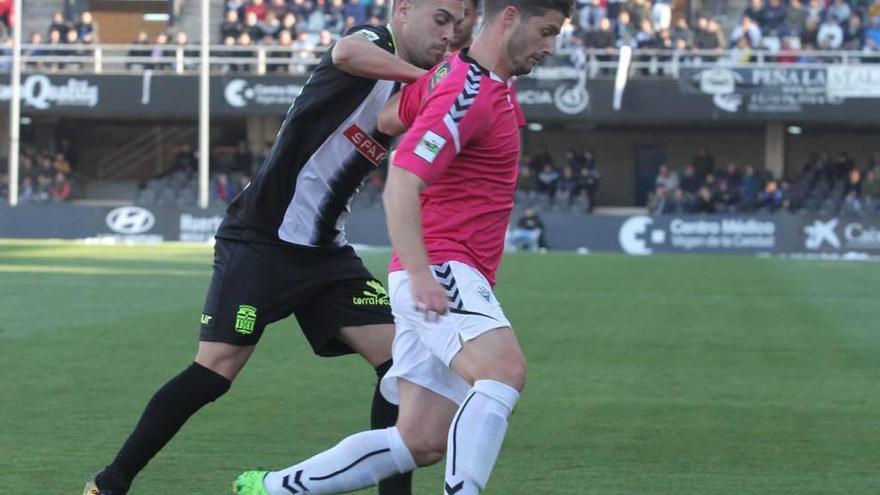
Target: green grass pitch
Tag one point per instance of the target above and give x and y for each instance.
(679, 375)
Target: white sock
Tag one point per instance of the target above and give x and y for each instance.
(475, 436)
(357, 462)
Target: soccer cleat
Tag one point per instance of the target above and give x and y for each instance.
(93, 488)
(250, 483)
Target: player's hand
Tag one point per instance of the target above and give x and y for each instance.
(429, 296)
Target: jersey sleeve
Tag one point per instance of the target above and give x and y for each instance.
(378, 35)
(411, 98)
(445, 124)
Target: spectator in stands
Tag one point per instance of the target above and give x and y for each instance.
(270, 26)
(732, 175)
(815, 11)
(770, 199)
(379, 10)
(601, 42)
(26, 189)
(839, 11)
(795, 18)
(681, 31)
(680, 203)
(245, 41)
(355, 9)
(870, 191)
(161, 53)
(658, 201)
(223, 189)
(727, 198)
(60, 24)
(690, 181)
(830, 35)
(256, 7)
(325, 40)
(236, 5)
(231, 26)
(746, 29)
(282, 57)
(288, 23)
(540, 158)
(87, 28)
(753, 11)
(872, 33)
(810, 35)
(529, 232)
(60, 188)
(548, 181)
(853, 34)
(704, 202)
(625, 31)
(567, 186)
(772, 19)
(140, 51)
(704, 162)
(591, 14)
(588, 187)
(667, 178)
(61, 165)
(252, 27)
(646, 38)
(279, 8)
(525, 184)
(853, 193)
(750, 186)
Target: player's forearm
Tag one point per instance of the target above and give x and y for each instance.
(358, 56)
(404, 215)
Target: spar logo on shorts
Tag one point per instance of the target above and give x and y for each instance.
(373, 295)
(245, 319)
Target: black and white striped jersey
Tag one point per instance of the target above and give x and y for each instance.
(326, 147)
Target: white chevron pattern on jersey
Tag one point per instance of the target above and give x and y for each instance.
(463, 103)
(443, 274)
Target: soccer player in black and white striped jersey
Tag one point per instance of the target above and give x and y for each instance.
(282, 249)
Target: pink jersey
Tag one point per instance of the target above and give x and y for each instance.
(463, 141)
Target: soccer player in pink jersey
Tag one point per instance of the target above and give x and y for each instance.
(458, 369)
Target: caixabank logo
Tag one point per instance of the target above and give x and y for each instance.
(837, 235)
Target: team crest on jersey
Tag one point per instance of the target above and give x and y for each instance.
(439, 75)
(485, 293)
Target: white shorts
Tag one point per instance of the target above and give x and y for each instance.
(422, 350)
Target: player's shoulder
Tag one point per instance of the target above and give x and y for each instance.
(379, 35)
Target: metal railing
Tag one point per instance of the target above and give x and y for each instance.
(263, 59)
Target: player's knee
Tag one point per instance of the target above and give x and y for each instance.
(426, 447)
(510, 370)
(428, 452)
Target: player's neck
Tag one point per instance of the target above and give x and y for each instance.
(489, 52)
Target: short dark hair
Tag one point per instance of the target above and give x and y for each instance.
(527, 8)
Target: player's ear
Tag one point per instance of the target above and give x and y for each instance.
(509, 16)
(403, 8)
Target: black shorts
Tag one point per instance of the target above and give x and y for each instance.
(255, 284)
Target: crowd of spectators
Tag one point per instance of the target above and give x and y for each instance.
(43, 177)
(826, 185)
(784, 27)
(571, 185)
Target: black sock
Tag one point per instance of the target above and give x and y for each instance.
(384, 415)
(166, 412)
